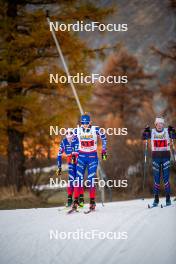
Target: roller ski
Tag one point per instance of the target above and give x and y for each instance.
(152, 206)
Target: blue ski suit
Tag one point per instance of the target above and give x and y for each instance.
(87, 157)
(160, 144)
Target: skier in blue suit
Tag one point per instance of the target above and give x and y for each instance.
(87, 135)
(69, 146)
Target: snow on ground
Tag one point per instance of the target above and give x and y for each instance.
(26, 235)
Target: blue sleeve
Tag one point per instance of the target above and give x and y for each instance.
(75, 132)
(103, 138)
(59, 156)
(75, 140)
(75, 145)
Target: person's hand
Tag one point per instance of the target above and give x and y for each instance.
(147, 133)
(171, 129)
(147, 129)
(58, 171)
(104, 155)
(74, 158)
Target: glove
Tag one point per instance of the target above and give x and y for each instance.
(74, 158)
(147, 133)
(58, 171)
(147, 129)
(171, 129)
(172, 132)
(104, 155)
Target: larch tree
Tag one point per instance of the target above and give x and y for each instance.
(28, 102)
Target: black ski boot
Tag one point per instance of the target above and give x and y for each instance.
(168, 200)
(75, 204)
(92, 204)
(69, 201)
(74, 207)
(156, 200)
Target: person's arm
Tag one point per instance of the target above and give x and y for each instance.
(172, 132)
(75, 149)
(146, 133)
(104, 142)
(59, 157)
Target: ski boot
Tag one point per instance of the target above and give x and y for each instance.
(168, 200)
(92, 204)
(75, 205)
(81, 201)
(156, 200)
(69, 201)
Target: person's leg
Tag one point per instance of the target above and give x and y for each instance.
(156, 166)
(81, 170)
(92, 169)
(78, 183)
(71, 178)
(166, 174)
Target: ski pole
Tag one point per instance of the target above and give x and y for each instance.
(145, 166)
(99, 188)
(173, 149)
(64, 64)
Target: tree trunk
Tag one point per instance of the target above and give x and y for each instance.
(15, 171)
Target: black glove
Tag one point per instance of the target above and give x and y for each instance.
(172, 132)
(147, 133)
(74, 158)
(171, 129)
(147, 129)
(58, 171)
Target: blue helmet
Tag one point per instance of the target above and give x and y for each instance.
(85, 119)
